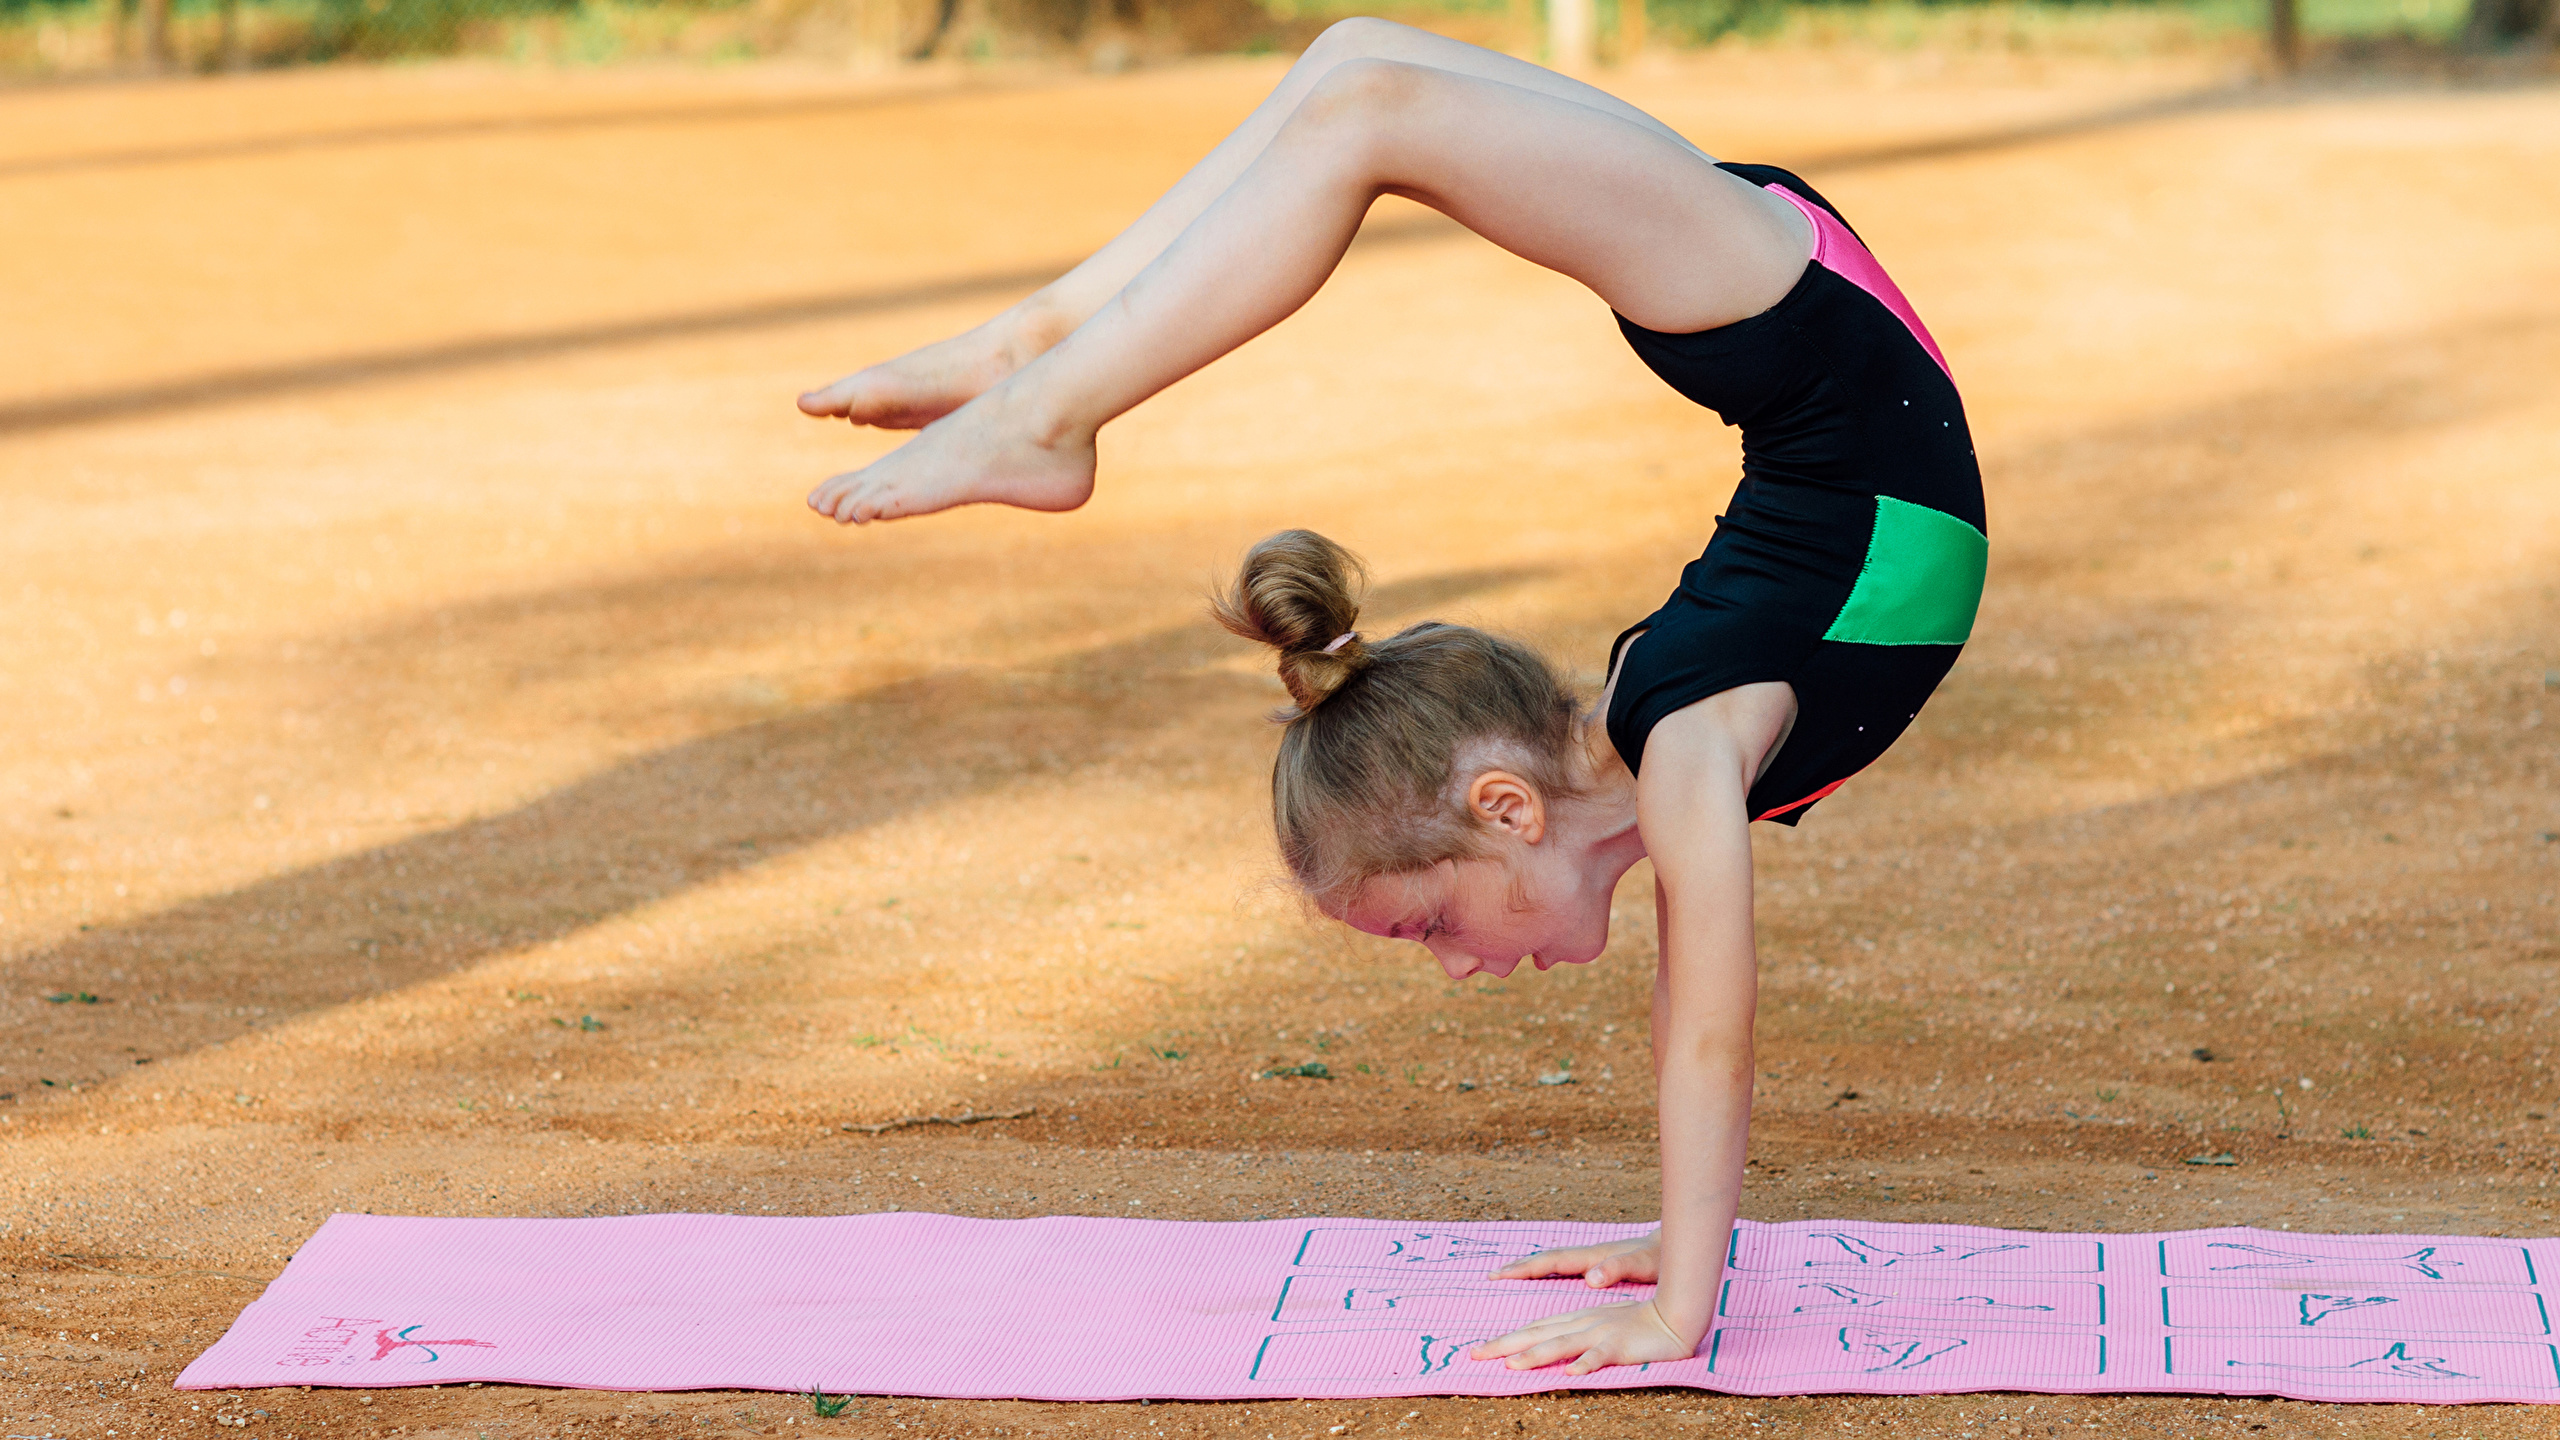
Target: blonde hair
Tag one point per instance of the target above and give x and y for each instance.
(1363, 785)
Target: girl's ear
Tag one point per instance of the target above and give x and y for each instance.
(1503, 801)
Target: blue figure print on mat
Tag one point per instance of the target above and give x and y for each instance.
(2422, 1260)
(2316, 1308)
(2337, 1263)
(1910, 1249)
(1896, 1352)
(1437, 1352)
(1475, 1251)
(1319, 1299)
(1858, 1250)
(1378, 1356)
(2396, 1361)
(1850, 1295)
(1934, 1352)
(2282, 1304)
(1905, 1295)
(1357, 1299)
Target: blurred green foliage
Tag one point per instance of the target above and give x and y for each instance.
(267, 32)
(376, 29)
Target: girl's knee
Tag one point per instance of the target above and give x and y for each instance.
(1360, 37)
(1362, 90)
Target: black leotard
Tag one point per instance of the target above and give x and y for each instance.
(1850, 560)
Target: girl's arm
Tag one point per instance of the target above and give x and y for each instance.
(1691, 804)
(1691, 807)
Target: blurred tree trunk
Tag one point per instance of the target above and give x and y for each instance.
(232, 59)
(2503, 22)
(1569, 27)
(155, 34)
(2284, 33)
(944, 13)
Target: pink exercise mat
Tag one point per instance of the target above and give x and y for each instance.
(1094, 1309)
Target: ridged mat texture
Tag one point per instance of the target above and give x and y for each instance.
(1109, 1309)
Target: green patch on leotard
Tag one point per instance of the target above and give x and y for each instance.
(1921, 583)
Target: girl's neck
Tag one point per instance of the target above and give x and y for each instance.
(1605, 803)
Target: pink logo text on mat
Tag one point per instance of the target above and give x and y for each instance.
(332, 1340)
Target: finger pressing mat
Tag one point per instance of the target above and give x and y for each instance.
(1074, 1308)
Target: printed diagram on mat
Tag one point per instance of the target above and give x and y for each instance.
(1468, 1254)
(2399, 1363)
(1956, 1354)
(1334, 1355)
(2271, 1305)
(1313, 1299)
(1905, 1297)
(1386, 1305)
(1896, 1308)
(2347, 1262)
(1895, 1352)
(1382, 1304)
(1855, 1252)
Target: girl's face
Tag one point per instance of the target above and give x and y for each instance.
(1486, 914)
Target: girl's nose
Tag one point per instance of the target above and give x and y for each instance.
(1456, 963)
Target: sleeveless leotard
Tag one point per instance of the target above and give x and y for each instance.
(1850, 560)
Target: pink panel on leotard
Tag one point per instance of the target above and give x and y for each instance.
(1839, 252)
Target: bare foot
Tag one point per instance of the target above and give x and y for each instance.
(922, 386)
(980, 454)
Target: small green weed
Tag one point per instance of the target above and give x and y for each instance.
(525, 995)
(1167, 1055)
(2356, 1132)
(1413, 1074)
(73, 997)
(1312, 1070)
(825, 1408)
(590, 1024)
(869, 1041)
(2107, 1095)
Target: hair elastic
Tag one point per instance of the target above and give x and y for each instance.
(1345, 638)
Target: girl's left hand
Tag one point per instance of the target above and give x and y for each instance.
(1602, 1335)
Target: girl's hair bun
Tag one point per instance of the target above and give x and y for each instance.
(1298, 593)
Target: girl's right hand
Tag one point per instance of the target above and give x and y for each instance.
(1600, 1266)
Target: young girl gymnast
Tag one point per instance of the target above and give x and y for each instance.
(1442, 785)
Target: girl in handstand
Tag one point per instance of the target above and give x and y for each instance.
(1442, 785)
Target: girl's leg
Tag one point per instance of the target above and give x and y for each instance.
(923, 385)
(1640, 217)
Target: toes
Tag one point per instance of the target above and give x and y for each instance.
(831, 400)
(838, 499)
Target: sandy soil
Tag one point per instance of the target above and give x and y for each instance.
(468, 782)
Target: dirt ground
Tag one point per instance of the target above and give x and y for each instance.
(468, 782)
